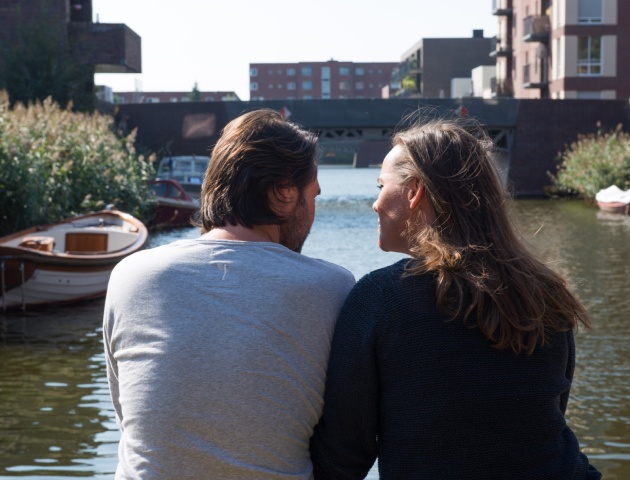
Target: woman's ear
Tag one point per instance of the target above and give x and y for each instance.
(415, 193)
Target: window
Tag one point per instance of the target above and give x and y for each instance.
(270, 86)
(291, 72)
(291, 86)
(307, 85)
(253, 72)
(344, 71)
(585, 95)
(589, 56)
(270, 71)
(590, 11)
(359, 85)
(344, 86)
(359, 71)
(307, 97)
(253, 86)
(307, 71)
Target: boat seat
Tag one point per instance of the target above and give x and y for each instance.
(83, 242)
(43, 244)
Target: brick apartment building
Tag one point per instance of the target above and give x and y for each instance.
(171, 97)
(318, 80)
(563, 49)
(428, 68)
(103, 47)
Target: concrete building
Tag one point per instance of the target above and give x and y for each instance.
(562, 49)
(171, 97)
(482, 77)
(318, 80)
(102, 47)
(428, 67)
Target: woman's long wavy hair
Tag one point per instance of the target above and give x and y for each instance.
(482, 266)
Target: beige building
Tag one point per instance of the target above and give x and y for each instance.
(562, 49)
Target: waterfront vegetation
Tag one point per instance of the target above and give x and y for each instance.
(56, 163)
(594, 162)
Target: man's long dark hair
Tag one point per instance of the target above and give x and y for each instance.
(257, 154)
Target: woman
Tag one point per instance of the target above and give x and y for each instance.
(455, 363)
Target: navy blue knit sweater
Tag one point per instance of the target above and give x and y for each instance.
(433, 399)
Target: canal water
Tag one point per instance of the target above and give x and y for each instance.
(56, 420)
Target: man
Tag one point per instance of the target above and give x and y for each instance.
(217, 347)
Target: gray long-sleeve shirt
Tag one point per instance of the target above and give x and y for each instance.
(216, 354)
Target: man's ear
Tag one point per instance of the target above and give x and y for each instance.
(415, 193)
(283, 199)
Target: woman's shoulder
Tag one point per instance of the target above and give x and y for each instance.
(394, 274)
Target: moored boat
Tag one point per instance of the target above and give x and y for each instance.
(66, 262)
(613, 200)
(188, 170)
(175, 208)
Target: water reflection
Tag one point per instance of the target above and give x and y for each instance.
(592, 249)
(54, 413)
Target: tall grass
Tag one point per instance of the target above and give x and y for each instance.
(55, 163)
(594, 162)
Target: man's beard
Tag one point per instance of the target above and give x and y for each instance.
(295, 230)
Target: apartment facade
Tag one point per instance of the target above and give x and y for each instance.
(318, 80)
(562, 49)
(428, 67)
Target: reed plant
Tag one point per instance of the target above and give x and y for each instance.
(594, 162)
(56, 163)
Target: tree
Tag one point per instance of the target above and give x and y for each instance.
(195, 94)
(39, 64)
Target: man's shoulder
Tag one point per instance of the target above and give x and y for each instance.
(327, 267)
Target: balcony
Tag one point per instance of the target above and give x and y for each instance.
(535, 79)
(110, 47)
(536, 28)
(405, 69)
(502, 7)
(501, 88)
(500, 47)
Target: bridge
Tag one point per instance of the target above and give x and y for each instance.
(528, 134)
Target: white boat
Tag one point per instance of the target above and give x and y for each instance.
(66, 262)
(613, 200)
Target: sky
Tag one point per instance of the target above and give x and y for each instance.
(211, 43)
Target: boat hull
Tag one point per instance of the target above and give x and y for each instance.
(614, 207)
(171, 213)
(67, 262)
(175, 207)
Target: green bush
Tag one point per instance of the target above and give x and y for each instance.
(594, 162)
(55, 163)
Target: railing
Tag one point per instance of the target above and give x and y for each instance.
(502, 87)
(500, 47)
(536, 28)
(501, 7)
(531, 80)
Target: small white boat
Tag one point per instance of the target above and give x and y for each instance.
(66, 262)
(613, 200)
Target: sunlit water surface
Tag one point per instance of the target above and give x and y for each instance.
(56, 420)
